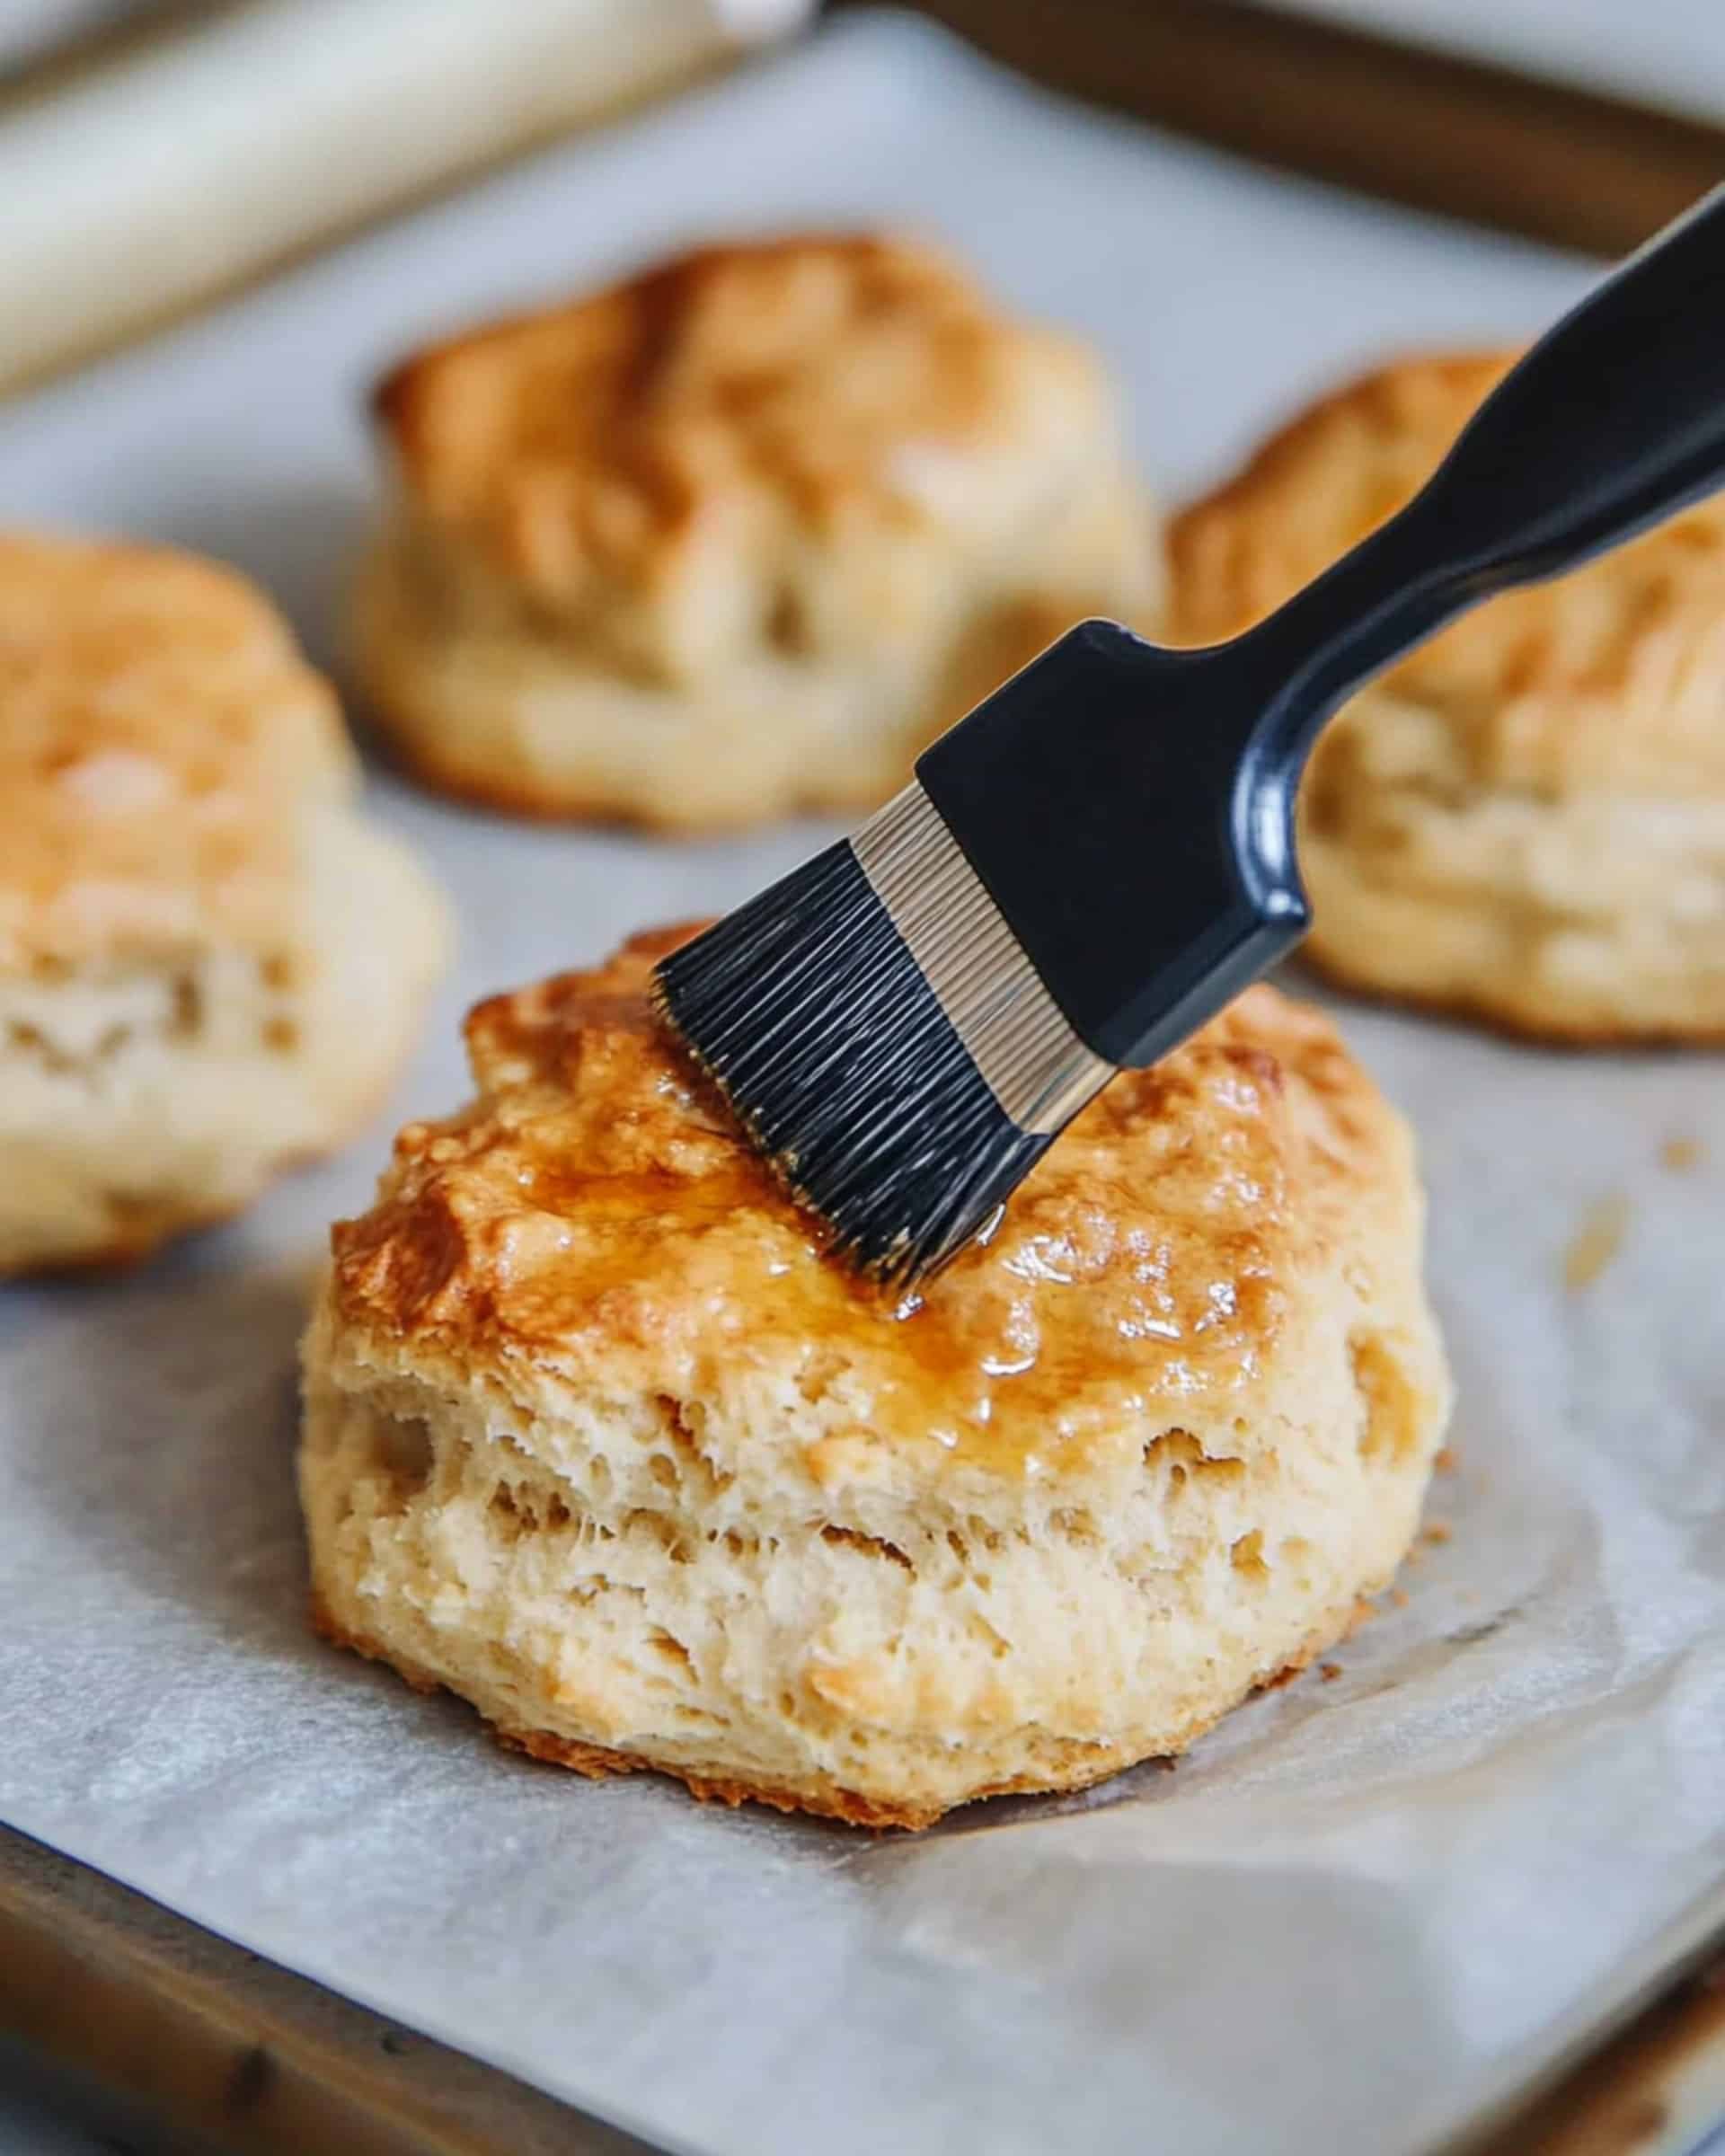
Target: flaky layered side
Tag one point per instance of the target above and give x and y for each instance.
(1524, 820)
(209, 962)
(738, 536)
(597, 1437)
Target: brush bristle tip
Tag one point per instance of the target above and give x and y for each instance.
(809, 1012)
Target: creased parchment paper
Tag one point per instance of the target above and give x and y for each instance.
(1353, 1916)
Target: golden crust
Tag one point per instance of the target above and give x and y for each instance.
(157, 718)
(1610, 677)
(585, 447)
(737, 537)
(595, 1207)
(182, 868)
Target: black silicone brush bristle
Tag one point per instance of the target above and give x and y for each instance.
(809, 1012)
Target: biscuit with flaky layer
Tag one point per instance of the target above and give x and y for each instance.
(1524, 820)
(738, 536)
(599, 1437)
(210, 963)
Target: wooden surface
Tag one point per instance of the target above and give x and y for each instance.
(1433, 131)
(193, 2047)
(1657, 2090)
(213, 2049)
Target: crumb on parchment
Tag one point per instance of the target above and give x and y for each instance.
(1680, 1154)
(1595, 1242)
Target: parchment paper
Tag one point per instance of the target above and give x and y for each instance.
(1355, 1915)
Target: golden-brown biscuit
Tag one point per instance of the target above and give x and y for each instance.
(210, 963)
(1524, 820)
(738, 536)
(597, 1437)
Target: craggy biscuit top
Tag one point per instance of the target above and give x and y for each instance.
(1612, 676)
(156, 727)
(785, 439)
(596, 1215)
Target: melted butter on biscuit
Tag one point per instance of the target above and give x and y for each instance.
(594, 1209)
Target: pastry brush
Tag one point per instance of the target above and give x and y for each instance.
(1101, 855)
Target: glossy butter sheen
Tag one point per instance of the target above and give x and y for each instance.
(596, 1211)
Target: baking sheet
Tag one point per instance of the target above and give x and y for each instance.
(1360, 1910)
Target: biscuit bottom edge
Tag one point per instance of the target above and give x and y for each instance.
(827, 1800)
(478, 705)
(126, 1250)
(211, 1081)
(1580, 924)
(1490, 1015)
(600, 1763)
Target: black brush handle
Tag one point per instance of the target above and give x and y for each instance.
(1130, 809)
(1614, 420)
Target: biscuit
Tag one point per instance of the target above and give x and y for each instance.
(599, 1439)
(737, 537)
(1524, 820)
(209, 962)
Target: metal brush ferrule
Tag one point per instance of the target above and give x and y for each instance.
(1019, 1039)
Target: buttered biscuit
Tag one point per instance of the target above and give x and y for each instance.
(1524, 820)
(737, 537)
(209, 962)
(597, 1437)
